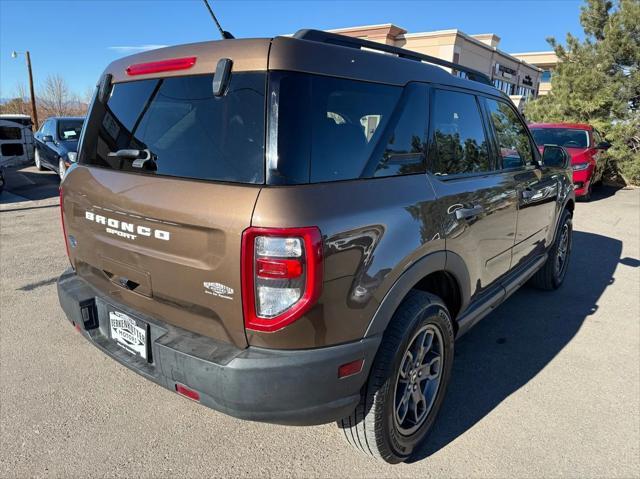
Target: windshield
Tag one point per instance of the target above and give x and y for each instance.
(566, 137)
(187, 130)
(69, 129)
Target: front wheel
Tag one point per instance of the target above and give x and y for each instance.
(587, 196)
(37, 160)
(551, 275)
(407, 381)
(62, 169)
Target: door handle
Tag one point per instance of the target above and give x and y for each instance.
(466, 213)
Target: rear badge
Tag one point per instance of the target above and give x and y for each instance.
(124, 229)
(218, 289)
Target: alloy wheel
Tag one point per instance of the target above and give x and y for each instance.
(418, 379)
(62, 169)
(562, 253)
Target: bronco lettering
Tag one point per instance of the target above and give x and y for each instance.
(124, 229)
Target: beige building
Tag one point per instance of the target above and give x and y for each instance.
(547, 61)
(514, 76)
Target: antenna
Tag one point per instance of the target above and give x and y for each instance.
(225, 35)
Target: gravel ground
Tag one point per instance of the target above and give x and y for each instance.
(548, 385)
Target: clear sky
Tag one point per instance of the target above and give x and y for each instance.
(77, 39)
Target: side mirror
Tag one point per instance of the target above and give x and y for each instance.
(556, 156)
(603, 145)
(47, 138)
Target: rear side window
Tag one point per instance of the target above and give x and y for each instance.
(459, 141)
(10, 133)
(511, 134)
(191, 133)
(332, 129)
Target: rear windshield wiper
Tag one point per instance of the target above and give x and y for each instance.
(143, 159)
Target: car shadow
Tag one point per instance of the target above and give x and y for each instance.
(604, 191)
(27, 183)
(512, 345)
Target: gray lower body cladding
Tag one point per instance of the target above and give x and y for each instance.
(295, 387)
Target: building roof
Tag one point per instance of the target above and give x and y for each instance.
(488, 41)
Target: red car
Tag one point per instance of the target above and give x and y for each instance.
(584, 143)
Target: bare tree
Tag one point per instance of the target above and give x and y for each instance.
(19, 103)
(55, 97)
(88, 95)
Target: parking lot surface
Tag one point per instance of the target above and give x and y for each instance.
(548, 385)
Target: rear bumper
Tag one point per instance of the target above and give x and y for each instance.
(295, 387)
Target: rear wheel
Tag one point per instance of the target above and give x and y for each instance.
(407, 381)
(552, 273)
(37, 161)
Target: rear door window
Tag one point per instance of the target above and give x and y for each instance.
(192, 133)
(511, 134)
(459, 141)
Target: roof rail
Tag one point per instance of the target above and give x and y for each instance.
(358, 43)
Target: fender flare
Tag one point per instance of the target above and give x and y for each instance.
(571, 197)
(446, 261)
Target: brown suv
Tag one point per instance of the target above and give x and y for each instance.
(295, 230)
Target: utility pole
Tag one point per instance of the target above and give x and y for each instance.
(31, 91)
(33, 95)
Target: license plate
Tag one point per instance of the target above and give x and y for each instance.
(127, 334)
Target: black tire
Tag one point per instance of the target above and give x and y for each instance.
(373, 427)
(550, 276)
(587, 197)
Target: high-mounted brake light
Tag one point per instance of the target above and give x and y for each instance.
(161, 66)
(281, 275)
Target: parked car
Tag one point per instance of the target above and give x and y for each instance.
(16, 139)
(1, 179)
(57, 143)
(295, 238)
(586, 146)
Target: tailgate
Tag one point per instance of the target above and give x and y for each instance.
(167, 180)
(167, 247)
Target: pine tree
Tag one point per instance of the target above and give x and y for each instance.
(598, 81)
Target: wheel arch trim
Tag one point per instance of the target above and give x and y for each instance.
(445, 261)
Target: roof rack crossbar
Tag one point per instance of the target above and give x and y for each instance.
(358, 43)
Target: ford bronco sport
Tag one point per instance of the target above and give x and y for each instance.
(295, 230)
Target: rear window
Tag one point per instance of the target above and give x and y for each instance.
(569, 138)
(189, 131)
(330, 129)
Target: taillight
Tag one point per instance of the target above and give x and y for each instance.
(64, 230)
(281, 275)
(161, 66)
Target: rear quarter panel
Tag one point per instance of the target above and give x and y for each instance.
(373, 230)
